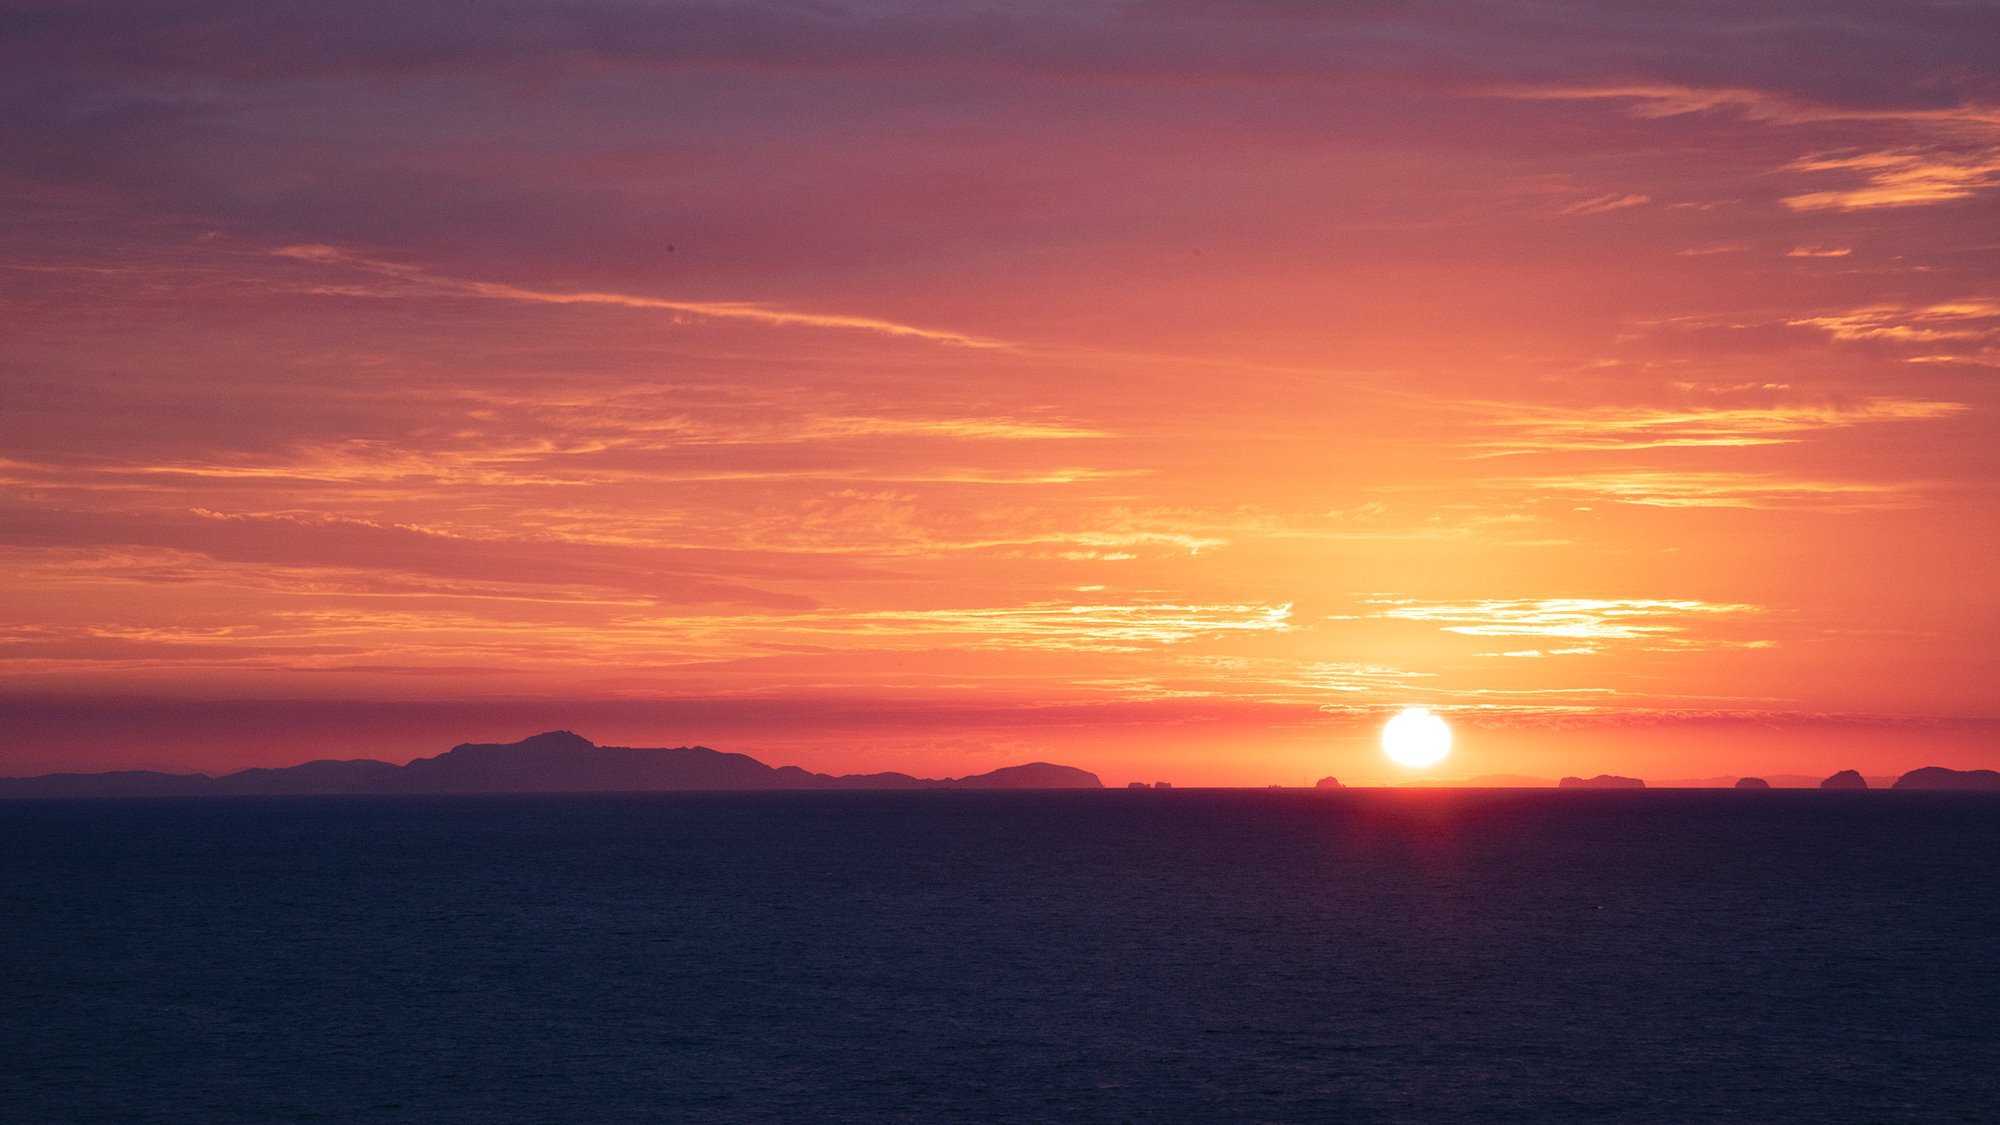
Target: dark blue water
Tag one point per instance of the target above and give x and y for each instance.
(1429, 956)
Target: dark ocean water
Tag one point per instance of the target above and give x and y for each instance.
(1099, 956)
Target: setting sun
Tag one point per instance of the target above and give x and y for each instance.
(1416, 738)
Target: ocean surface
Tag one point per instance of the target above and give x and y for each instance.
(1071, 956)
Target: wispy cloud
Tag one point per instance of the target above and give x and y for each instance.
(1045, 625)
(1968, 318)
(370, 462)
(1558, 429)
(419, 280)
(1670, 489)
(1284, 678)
(1603, 203)
(370, 635)
(652, 417)
(1596, 622)
(1041, 626)
(1659, 100)
(1956, 153)
(368, 552)
(1907, 177)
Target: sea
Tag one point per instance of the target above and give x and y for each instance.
(1184, 955)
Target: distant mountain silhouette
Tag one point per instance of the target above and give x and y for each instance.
(1752, 783)
(1601, 781)
(1485, 781)
(556, 762)
(1938, 777)
(1328, 783)
(1845, 779)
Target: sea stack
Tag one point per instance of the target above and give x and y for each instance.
(1601, 781)
(1752, 783)
(1328, 783)
(1845, 779)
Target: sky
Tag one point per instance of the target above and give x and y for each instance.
(1172, 389)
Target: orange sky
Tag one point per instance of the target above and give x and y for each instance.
(1172, 390)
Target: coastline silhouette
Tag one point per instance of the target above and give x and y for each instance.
(564, 762)
(553, 762)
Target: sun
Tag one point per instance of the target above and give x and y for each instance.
(1416, 738)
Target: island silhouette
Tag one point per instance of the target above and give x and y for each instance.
(554, 762)
(1601, 781)
(1938, 777)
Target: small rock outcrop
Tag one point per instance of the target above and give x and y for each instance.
(1752, 783)
(1328, 783)
(1137, 785)
(1938, 777)
(1845, 779)
(1601, 781)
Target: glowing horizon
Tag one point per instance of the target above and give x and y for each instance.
(1169, 391)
